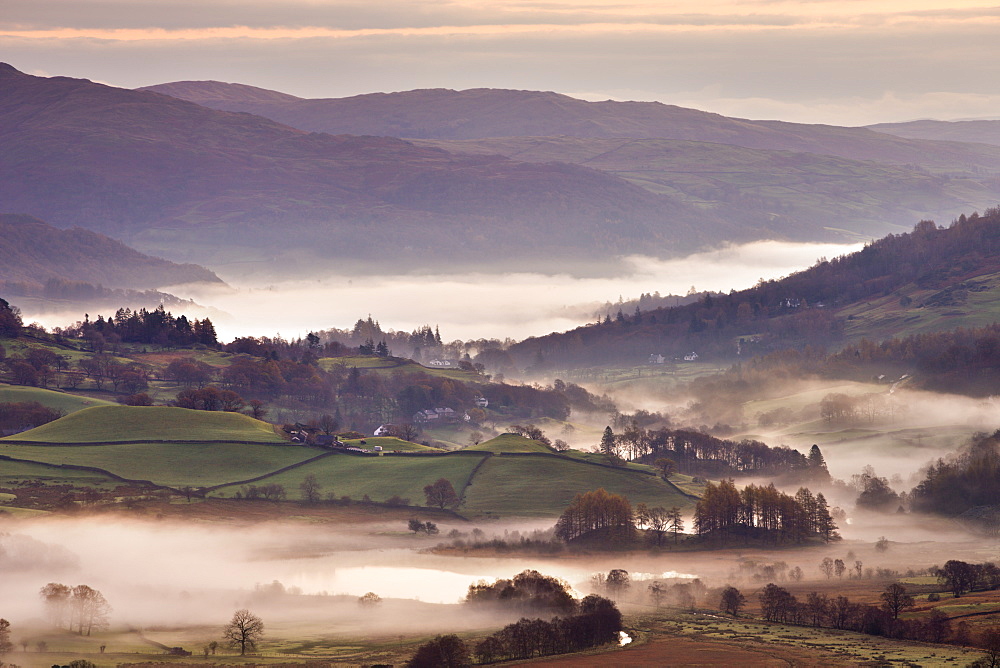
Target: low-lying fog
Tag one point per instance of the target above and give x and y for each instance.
(157, 574)
(473, 305)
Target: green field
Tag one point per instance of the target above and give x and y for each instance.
(390, 365)
(109, 424)
(389, 444)
(544, 485)
(172, 464)
(510, 443)
(18, 473)
(67, 403)
(378, 477)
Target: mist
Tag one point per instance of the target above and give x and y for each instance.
(469, 305)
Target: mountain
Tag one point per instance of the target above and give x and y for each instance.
(35, 252)
(489, 113)
(799, 196)
(976, 131)
(170, 176)
(770, 179)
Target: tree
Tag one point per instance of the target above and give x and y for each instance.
(89, 608)
(609, 446)
(895, 599)
(441, 494)
(443, 652)
(666, 466)
(56, 596)
(617, 582)
(310, 489)
(990, 642)
(656, 592)
(5, 644)
(675, 521)
(244, 630)
(369, 600)
(732, 601)
(827, 567)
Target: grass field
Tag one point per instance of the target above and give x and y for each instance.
(67, 403)
(545, 485)
(389, 365)
(172, 464)
(389, 444)
(378, 477)
(108, 424)
(510, 443)
(13, 474)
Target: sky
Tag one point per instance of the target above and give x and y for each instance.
(842, 62)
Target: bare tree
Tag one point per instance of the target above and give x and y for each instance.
(732, 601)
(244, 630)
(895, 599)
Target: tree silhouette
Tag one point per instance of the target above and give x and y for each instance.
(244, 630)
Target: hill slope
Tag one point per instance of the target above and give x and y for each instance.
(110, 424)
(188, 181)
(35, 252)
(795, 195)
(929, 280)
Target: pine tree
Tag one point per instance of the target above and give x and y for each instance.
(608, 445)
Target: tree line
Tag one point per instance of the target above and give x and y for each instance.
(725, 513)
(697, 453)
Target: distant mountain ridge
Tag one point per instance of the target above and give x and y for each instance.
(490, 113)
(981, 131)
(190, 182)
(768, 179)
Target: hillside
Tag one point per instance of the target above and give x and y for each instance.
(792, 195)
(981, 131)
(35, 252)
(931, 279)
(110, 424)
(185, 181)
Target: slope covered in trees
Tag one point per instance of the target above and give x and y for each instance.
(918, 269)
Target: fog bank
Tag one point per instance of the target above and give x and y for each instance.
(468, 305)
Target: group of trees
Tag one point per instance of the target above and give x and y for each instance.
(598, 510)
(590, 622)
(966, 480)
(961, 576)
(80, 607)
(596, 621)
(158, 326)
(777, 604)
(724, 512)
(18, 416)
(698, 453)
